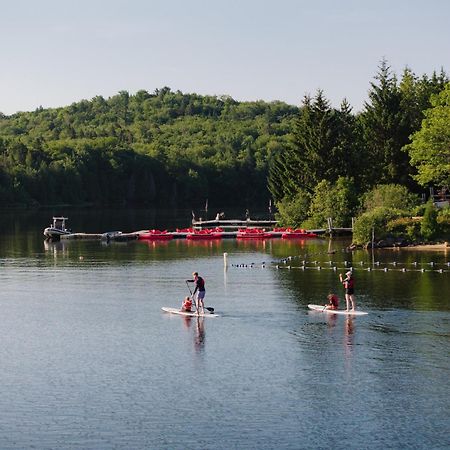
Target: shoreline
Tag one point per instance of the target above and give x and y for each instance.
(445, 246)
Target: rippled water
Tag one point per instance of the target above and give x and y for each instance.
(89, 360)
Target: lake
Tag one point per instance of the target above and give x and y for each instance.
(89, 360)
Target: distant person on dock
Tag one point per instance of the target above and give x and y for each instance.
(187, 305)
(333, 301)
(349, 284)
(200, 291)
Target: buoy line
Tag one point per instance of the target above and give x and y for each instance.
(330, 265)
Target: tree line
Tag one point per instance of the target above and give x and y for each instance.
(164, 148)
(337, 162)
(171, 148)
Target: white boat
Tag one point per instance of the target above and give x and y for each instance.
(57, 229)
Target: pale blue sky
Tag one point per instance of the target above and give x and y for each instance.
(55, 52)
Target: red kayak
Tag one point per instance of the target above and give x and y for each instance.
(207, 233)
(289, 233)
(155, 235)
(253, 233)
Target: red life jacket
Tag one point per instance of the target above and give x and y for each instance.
(349, 284)
(187, 305)
(334, 300)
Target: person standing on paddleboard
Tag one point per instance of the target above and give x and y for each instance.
(200, 291)
(349, 284)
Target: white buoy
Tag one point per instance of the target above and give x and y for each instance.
(225, 260)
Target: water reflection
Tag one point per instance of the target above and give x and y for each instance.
(349, 330)
(56, 249)
(348, 344)
(54, 246)
(254, 244)
(197, 324)
(331, 320)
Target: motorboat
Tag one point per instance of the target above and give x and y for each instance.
(57, 229)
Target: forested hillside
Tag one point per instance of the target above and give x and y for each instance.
(164, 148)
(174, 149)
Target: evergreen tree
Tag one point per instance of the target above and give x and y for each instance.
(385, 131)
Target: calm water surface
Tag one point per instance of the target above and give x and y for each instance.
(89, 360)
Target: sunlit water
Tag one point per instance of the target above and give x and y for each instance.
(89, 360)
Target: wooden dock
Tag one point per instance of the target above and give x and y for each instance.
(233, 224)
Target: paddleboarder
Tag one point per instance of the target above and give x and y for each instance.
(200, 291)
(349, 283)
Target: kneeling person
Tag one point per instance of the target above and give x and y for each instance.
(187, 305)
(333, 301)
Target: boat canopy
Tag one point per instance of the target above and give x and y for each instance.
(60, 222)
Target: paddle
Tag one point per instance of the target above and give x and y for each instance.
(209, 308)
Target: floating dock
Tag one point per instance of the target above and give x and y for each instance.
(233, 224)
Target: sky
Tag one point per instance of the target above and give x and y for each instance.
(56, 52)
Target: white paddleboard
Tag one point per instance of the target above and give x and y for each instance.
(320, 308)
(186, 313)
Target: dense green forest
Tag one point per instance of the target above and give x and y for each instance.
(170, 148)
(165, 148)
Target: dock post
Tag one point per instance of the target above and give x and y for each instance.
(225, 260)
(330, 226)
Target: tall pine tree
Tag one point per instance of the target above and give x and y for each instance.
(386, 131)
(324, 146)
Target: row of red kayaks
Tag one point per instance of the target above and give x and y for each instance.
(217, 233)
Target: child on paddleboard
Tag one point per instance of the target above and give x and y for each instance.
(187, 305)
(333, 301)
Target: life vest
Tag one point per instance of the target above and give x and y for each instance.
(200, 283)
(334, 300)
(349, 284)
(187, 305)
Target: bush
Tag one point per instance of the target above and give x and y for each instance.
(376, 220)
(337, 201)
(429, 227)
(392, 196)
(406, 227)
(293, 211)
(444, 215)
